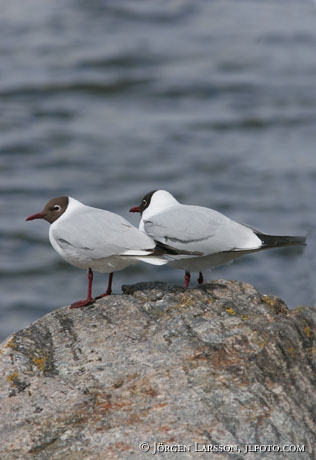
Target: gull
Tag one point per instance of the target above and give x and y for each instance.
(97, 240)
(217, 238)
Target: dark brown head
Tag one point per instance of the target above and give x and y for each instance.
(144, 204)
(52, 210)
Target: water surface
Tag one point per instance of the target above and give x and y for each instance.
(105, 101)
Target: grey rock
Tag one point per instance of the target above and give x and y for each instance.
(218, 365)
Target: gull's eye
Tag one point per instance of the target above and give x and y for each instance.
(144, 203)
(56, 207)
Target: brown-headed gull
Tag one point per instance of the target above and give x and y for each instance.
(196, 228)
(99, 240)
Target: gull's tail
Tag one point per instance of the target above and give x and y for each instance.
(163, 253)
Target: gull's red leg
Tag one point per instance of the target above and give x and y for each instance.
(109, 289)
(88, 300)
(200, 278)
(187, 278)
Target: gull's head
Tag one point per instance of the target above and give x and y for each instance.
(52, 210)
(156, 201)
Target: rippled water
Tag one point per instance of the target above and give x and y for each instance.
(104, 100)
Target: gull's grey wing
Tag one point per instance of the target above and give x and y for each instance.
(200, 229)
(97, 234)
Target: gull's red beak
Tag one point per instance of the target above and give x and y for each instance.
(39, 215)
(135, 209)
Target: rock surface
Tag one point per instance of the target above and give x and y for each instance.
(218, 365)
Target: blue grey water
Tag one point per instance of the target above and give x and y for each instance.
(106, 100)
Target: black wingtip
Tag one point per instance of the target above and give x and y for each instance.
(165, 249)
(274, 241)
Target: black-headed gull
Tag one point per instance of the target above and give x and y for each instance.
(196, 228)
(95, 239)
